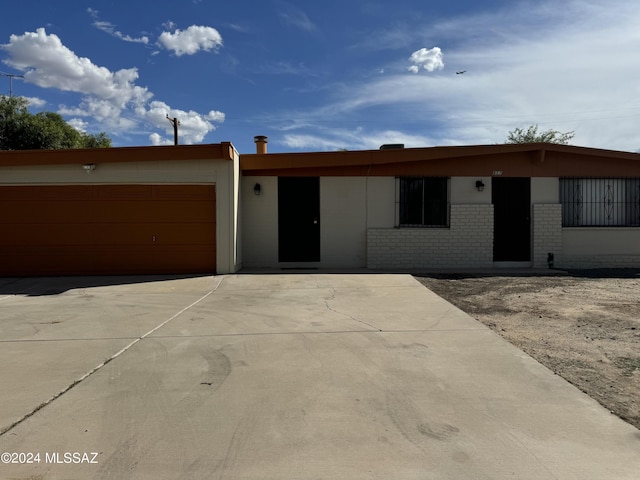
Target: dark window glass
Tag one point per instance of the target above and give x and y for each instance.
(424, 202)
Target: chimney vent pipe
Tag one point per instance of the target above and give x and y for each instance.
(261, 144)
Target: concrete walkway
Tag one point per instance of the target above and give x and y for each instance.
(282, 376)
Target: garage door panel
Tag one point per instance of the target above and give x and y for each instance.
(109, 234)
(123, 192)
(174, 234)
(92, 261)
(117, 211)
(107, 229)
(195, 258)
(50, 192)
(18, 193)
(77, 260)
(184, 193)
(111, 260)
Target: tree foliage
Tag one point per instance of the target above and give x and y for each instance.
(532, 135)
(22, 130)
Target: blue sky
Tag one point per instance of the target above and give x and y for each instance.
(316, 76)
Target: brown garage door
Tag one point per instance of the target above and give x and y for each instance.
(107, 229)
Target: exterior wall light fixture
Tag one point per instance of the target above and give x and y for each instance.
(479, 185)
(257, 189)
(89, 167)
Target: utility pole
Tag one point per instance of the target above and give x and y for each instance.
(176, 123)
(11, 77)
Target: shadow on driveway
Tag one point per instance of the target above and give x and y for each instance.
(39, 286)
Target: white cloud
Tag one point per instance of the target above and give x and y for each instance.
(429, 59)
(78, 124)
(169, 25)
(294, 16)
(49, 64)
(192, 40)
(284, 68)
(157, 139)
(36, 102)
(109, 28)
(355, 139)
(216, 116)
(111, 98)
(238, 28)
(193, 126)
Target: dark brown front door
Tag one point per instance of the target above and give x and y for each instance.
(511, 198)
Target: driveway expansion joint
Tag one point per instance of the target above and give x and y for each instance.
(108, 360)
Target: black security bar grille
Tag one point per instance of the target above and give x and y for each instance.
(600, 202)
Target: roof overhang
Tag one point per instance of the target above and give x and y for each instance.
(535, 159)
(216, 151)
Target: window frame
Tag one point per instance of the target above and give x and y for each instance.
(445, 199)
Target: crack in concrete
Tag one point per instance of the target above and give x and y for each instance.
(330, 308)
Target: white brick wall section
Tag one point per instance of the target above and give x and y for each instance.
(547, 237)
(547, 234)
(468, 242)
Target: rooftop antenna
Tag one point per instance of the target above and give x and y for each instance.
(11, 77)
(176, 123)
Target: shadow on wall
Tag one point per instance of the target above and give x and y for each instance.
(38, 286)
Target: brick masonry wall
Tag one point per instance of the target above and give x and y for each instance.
(468, 242)
(547, 234)
(547, 237)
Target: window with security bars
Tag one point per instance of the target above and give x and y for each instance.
(422, 202)
(600, 202)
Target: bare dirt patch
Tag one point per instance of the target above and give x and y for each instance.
(584, 325)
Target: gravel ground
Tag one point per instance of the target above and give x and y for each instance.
(583, 325)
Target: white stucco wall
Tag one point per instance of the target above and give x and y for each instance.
(222, 173)
(463, 190)
(599, 247)
(347, 205)
(343, 221)
(381, 208)
(259, 219)
(183, 171)
(545, 190)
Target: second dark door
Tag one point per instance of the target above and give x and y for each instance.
(299, 219)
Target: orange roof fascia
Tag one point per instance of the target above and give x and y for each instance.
(216, 151)
(348, 160)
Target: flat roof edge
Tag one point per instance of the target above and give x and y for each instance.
(213, 151)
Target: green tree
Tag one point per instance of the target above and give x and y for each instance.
(22, 130)
(532, 135)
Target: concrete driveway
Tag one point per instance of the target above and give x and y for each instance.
(283, 376)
